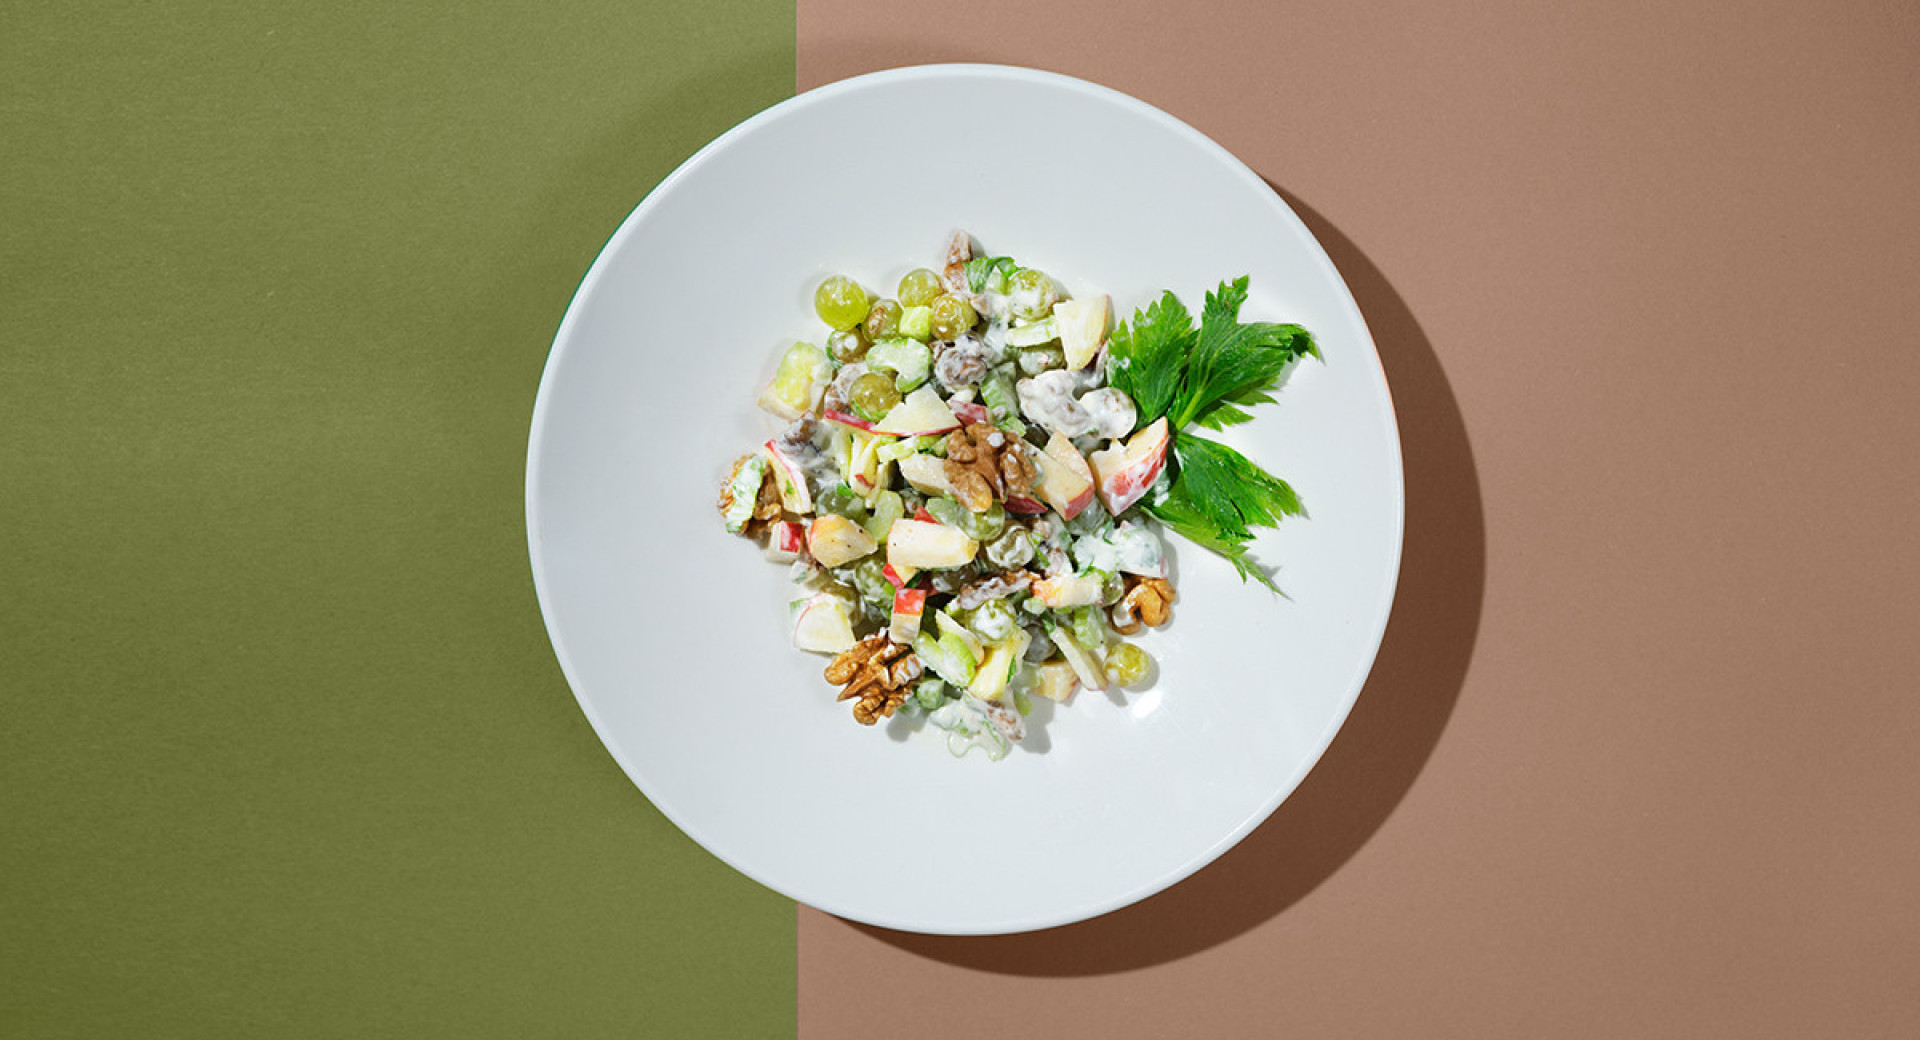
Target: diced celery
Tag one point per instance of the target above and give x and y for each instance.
(997, 392)
(887, 507)
(917, 323)
(743, 492)
(949, 663)
(1042, 331)
(909, 361)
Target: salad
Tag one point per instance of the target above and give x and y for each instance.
(974, 478)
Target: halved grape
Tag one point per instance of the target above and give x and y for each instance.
(883, 320)
(847, 345)
(953, 317)
(1127, 664)
(840, 302)
(873, 396)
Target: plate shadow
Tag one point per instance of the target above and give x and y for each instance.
(1397, 721)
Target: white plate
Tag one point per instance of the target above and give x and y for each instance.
(673, 634)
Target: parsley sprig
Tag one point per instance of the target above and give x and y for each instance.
(1209, 376)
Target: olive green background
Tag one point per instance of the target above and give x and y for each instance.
(283, 748)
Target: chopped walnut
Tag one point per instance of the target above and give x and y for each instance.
(877, 671)
(959, 251)
(984, 463)
(1149, 599)
(766, 507)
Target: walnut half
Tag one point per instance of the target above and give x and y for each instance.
(877, 671)
(984, 463)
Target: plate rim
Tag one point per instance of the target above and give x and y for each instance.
(589, 282)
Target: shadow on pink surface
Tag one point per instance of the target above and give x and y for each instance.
(1386, 741)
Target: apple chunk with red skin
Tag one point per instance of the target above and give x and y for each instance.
(908, 607)
(1066, 483)
(852, 422)
(786, 540)
(835, 540)
(1068, 590)
(789, 479)
(822, 624)
(1123, 473)
(922, 413)
(915, 543)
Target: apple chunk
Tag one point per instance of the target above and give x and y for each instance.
(1123, 473)
(916, 543)
(927, 474)
(835, 540)
(921, 414)
(1057, 680)
(789, 478)
(908, 607)
(1068, 590)
(822, 624)
(797, 385)
(1083, 328)
(852, 422)
(786, 540)
(1066, 483)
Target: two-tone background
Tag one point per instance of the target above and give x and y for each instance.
(283, 750)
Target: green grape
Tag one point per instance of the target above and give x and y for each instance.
(1041, 359)
(1089, 627)
(993, 621)
(873, 396)
(948, 512)
(847, 345)
(841, 501)
(1022, 704)
(953, 317)
(1127, 664)
(986, 525)
(920, 286)
(1011, 550)
(840, 302)
(1031, 294)
(883, 321)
